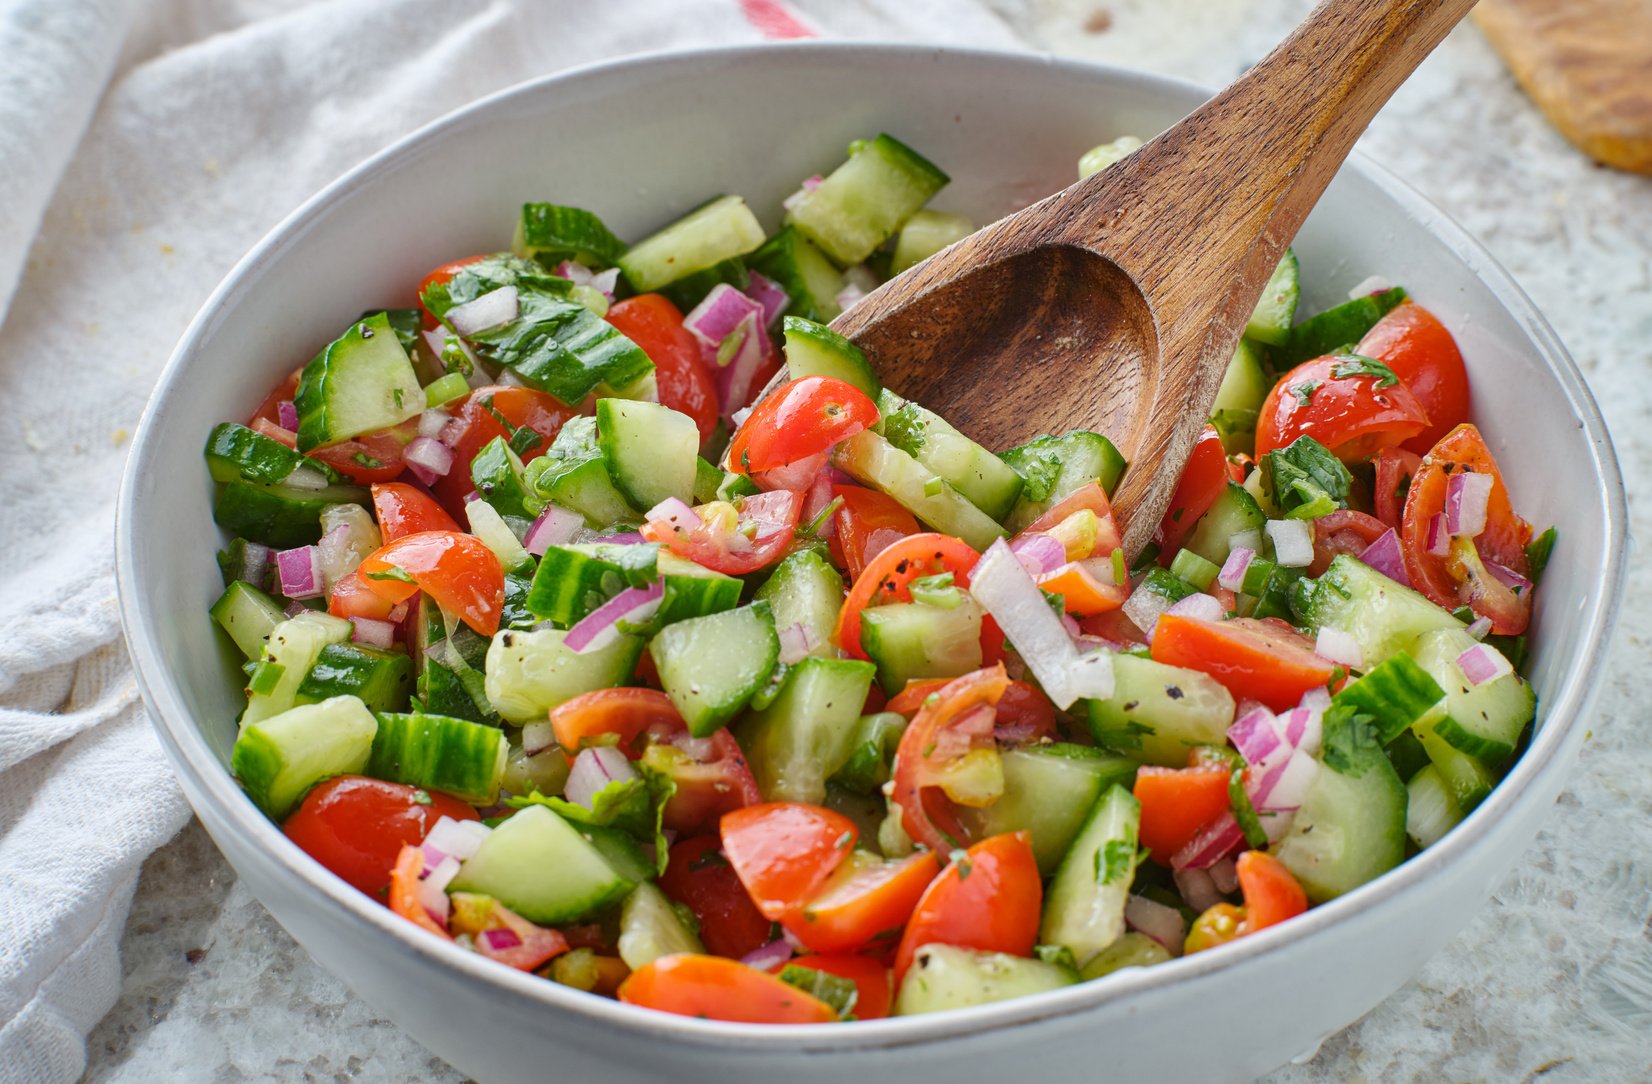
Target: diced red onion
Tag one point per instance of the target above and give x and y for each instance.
(1375, 284)
(795, 643)
(1225, 875)
(1144, 607)
(429, 459)
(1199, 605)
(295, 608)
(809, 185)
(1439, 539)
(1218, 839)
(676, 514)
(603, 625)
(1479, 628)
(1163, 924)
(554, 527)
(1317, 698)
(574, 271)
(1283, 789)
(286, 415)
(719, 315)
(1198, 888)
(1339, 646)
(605, 282)
(734, 380)
(1004, 590)
(1232, 575)
(461, 839)
(767, 293)
(492, 309)
(299, 572)
(440, 868)
(1481, 663)
(1039, 553)
(848, 297)
(595, 767)
(537, 737)
(499, 939)
(1293, 542)
(373, 632)
(432, 894)
(453, 432)
(1467, 496)
(1385, 556)
(433, 421)
(1092, 676)
(1253, 734)
(769, 956)
(1508, 577)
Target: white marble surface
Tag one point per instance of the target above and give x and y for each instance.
(1552, 980)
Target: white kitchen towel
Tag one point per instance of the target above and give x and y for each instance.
(144, 146)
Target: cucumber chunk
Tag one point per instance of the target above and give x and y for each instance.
(279, 516)
(872, 748)
(1468, 778)
(248, 615)
(1430, 810)
(381, 679)
(708, 235)
(1233, 512)
(926, 233)
(1085, 907)
(1270, 321)
(1245, 387)
(453, 684)
(1052, 467)
(1049, 790)
(804, 272)
(529, 673)
(235, 453)
(455, 756)
(292, 650)
(806, 590)
(1484, 720)
(541, 867)
(1344, 325)
(816, 350)
(1396, 694)
(362, 382)
(690, 290)
(875, 462)
(552, 233)
(650, 928)
(984, 479)
(496, 472)
(1351, 826)
(944, 977)
(280, 757)
(910, 640)
(712, 666)
(1158, 712)
(584, 486)
(650, 450)
(1384, 617)
(861, 203)
(1131, 950)
(795, 743)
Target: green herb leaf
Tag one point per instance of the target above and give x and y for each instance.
(1306, 475)
(1359, 365)
(1304, 391)
(1538, 551)
(391, 573)
(835, 990)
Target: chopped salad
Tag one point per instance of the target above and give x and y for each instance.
(817, 710)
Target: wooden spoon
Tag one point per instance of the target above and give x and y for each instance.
(1115, 305)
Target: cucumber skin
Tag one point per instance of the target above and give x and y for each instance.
(543, 868)
(437, 752)
(804, 272)
(235, 453)
(846, 220)
(381, 679)
(814, 349)
(1082, 911)
(659, 259)
(335, 735)
(281, 517)
(318, 425)
(875, 462)
(1343, 325)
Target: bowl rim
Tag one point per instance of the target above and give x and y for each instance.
(204, 774)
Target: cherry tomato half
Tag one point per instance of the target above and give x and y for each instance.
(953, 722)
(1422, 353)
(784, 851)
(1259, 660)
(402, 510)
(866, 524)
(713, 988)
(455, 569)
(800, 419)
(655, 324)
(888, 576)
(988, 899)
(752, 532)
(357, 826)
(701, 879)
(1343, 531)
(1202, 481)
(1343, 407)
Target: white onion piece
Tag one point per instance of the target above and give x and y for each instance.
(433, 421)
(1479, 628)
(488, 311)
(373, 632)
(1293, 542)
(461, 839)
(1482, 663)
(1374, 284)
(738, 418)
(1163, 924)
(1039, 553)
(1255, 736)
(305, 476)
(537, 737)
(768, 956)
(433, 898)
(1004, 590)
(594, 768)
(1144, 608)
(1246, 540)
(605, 282)
(442, 873)
(1317, 698)
(429, 459)
(795, 643)
(1198, 888)
(1339, 646)
(1467, 497)
(1199, 605)
(848, 297)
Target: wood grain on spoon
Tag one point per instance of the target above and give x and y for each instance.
(1116, 304)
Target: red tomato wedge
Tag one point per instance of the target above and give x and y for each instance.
(371, 457)
(801, 418)
(959, 720)
(269, 410)
(1272, 895)
(1422, 353)
(1202, 481)
(700, 878)
(866, 524)
(871, 979)
(1176, 803)
(865, 900)
(656, 325)
(626, 714)
(756, 534)
(784, 851)
(1460, 577)
(1395, 469)
(1023, 714)
(357, 827)
(455, 569)
(402, 509)
(713, 988)
(1343, 531)
(988, 899)
(1349, 413)
(888, 576)
(518, 942)
(499, 411)
(1257, 660)
(352, 597)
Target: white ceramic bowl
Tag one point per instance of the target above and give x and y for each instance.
(640, 141)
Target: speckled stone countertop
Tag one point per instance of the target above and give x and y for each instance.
(1553, 980)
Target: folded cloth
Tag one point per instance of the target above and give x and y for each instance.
(144, 146)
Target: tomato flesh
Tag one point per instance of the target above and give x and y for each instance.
(1350, 413)
(801, 418)
(1257, 660)
(784, 851)
(866, 899)
(989, 899)
(402, 510)
(713, 988)
(947, 727)
(455, 569)
(1422, 353)
(483, 415)
(356, 826)
(1272, 895)
(685, 384)
(1176, 803)
(866, 524)
(871, 978)
(756, 535)
(701, 879)
(1202, 481)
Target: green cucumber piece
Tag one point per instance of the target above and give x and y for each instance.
(806, 590)
(1270, 321)
(362, 382)
(292, 650)
(1344, 325)
(235, 453)
(445, 389)
(926, 233)
(1430, 810)
(571, 581)
(1485, 720)
(909, 640)
(380, 679)
(1050, 791)
(1234, 511)
(1468, 778)
(1383, 617)
(1158, 712)
(712, 666)
(706, 236)
(1052, 467)
(692, 591)
(1194, 570)
(650, 927)
(248, 615)
(984, 479)
(650, 450)
(816, 350)
(529, 673)
(806, 734)
(872, 747)
(943, 977)
(690, 290)
(1132, 950)
(541, 867)
(804, 272)
(861, 203)
(1351, 826)
(553, 233)
(496, 472)
(1245, 387)
(279, 516)
(875, 462)
(453, 685)
(1085, 907)
(438, 752)
(1397, 694)
(584, 486)
(559, 346)
(280, 757)
(487, 274)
